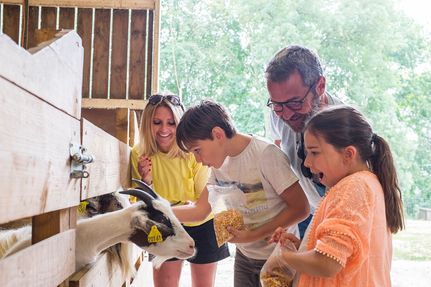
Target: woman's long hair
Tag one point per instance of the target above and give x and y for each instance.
(147, 142)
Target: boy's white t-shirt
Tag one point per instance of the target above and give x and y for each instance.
(261, 172)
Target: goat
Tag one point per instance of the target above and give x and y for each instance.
(149, 223)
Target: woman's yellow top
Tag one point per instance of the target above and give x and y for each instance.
(179, 180)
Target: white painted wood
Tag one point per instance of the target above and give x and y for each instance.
(34, 155)
(110, 170)
(53, 73)
(45, 264)
(113, 104)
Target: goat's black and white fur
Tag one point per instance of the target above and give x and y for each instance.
(132, 224)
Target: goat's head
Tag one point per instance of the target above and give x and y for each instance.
(104, 203)
(155, 227)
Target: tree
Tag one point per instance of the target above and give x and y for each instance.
(371, 53)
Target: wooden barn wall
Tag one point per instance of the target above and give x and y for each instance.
(118, 44)
(38, 123)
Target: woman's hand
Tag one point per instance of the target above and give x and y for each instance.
(144, 169)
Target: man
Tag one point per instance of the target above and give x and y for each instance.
(296, 87)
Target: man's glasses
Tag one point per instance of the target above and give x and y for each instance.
(293, 105)
(158, 98)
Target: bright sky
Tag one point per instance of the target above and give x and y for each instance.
(419, 10)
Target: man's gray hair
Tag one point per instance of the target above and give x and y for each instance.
(294, 58)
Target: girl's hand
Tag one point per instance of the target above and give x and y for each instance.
(276, 235)
(144, 169)
(280, 235)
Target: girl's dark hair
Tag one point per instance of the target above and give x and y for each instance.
(198, 122)
(343, 126)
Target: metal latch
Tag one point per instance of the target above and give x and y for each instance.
(79, 160)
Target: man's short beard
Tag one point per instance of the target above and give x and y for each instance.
(315, 107)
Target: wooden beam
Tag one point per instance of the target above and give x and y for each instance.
(156, 53)
(58, 66)
(138, 48)
(46, 263)
(35, 159)
(51, 223)
(104, 272)
(119, 54)
(101, 54)
(113, 104)
(85, 28)
(110, 170)
(117, 4)
(11, 14)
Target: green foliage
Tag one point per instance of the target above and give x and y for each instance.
(374, 58)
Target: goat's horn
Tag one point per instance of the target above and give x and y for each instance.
(145, 187)
(145, 197)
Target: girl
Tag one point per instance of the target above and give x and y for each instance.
(176, 176)
(349, 242)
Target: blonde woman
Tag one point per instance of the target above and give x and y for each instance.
(179, 178)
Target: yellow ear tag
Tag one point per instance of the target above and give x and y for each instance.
(154, 236)
(82, 206)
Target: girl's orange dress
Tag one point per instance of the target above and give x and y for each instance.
(349, 226)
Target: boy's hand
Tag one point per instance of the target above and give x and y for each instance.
(242, 236)
(144, 169)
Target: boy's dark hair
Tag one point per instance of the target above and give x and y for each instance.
(198, 122)
(343, 126)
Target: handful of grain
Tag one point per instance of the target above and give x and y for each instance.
(277, 278)
(222, 220)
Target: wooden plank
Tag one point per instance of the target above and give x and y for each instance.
(102, 273)
(84, 27)
(116, 4)
(102, 118)
(33, 25)
(150, 53)
(119, 54)
(133, 128)
(138, 36)
(11, 15)
(49, 18)
(156, 52)
(101, 54)
(51, 223)
(58, 66)
(122, 125)
(110, 170)
(34, 155)
(44, 264)
(113, 104)
(67, 18)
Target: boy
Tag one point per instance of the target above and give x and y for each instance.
(260, 169)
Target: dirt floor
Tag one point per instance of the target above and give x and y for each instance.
(404, 274)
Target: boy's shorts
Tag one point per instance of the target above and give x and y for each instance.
(207, 250)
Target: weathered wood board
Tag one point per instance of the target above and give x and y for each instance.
(110, 171)
(44, 264)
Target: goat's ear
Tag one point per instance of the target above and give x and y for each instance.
(145, 187)
(145, 197)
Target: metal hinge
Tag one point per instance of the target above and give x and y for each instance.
(79, 161)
